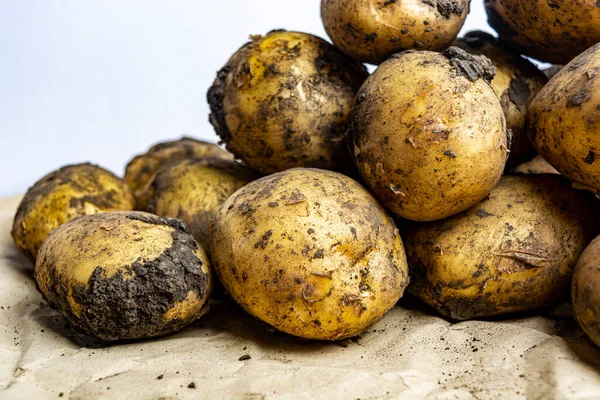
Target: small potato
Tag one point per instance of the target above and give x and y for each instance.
(124, 275)
(194, 190)
(552, 70)
(564, 120)
(553, 31)
(514, 251)
(370, 31)
(283, 101)
(309, 252)
(536, 166)
(142, 168)
(516, 83)
(586, 291)
(62, 195)
(429, 134)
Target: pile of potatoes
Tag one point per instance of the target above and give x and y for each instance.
(456, 171)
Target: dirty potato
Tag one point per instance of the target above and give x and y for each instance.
(536, 166)
(124, 275)
(564, 120)
(283, 101)
(428, 133)
(514, 251)
(194, 190)
(141, 169)
(309, 252)
(586, 291)
(370, 31)
(550, 31)
(516, 83)
(62, 195)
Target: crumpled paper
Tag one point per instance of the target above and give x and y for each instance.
(410, 354)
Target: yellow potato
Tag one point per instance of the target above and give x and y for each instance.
(428, 133)
(514, 251)
(586, 291)
(62, 195)
(124, 275)
(309, 252)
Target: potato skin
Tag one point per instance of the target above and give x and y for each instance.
(309, 252)
(124, 275)
(514, 251)
(429, 139)
(283, 101)
(585, 291)
(194, 190)
(564, 120)
(370, 31)
(69, 192)
(142, 168)
(550, 31)
(516, 83)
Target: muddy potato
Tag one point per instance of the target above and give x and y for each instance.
(283, 101)
(370, 31)
(142, 168)
(309, 252)
(585, 291)
(124, 275)
(194, 190)
(551, 31)
(429, 134)
(516, 83)
(564, 120)
(536, 166)
(514, 251)
(62, 195)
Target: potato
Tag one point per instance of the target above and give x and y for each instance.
(516, 83)
(62, 195)
(124, 275)
(142, 168)
(552, 70)
(551, 31)
(429, 134)
(194, 190)
(283, 101)
(309, 252)
(371, 31)
(586, 291)
(536, 166)
(564, 120)
(514, 251)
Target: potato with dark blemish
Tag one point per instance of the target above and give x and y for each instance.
(283, 101)
(194, 190)
(553, 31)
(62, 195)
(372, 30)
(516, 83)
(428, 133)
(124, 275)
(564, 121)
(514, 251)
(141, 169)
(585, 291)
(309, 252)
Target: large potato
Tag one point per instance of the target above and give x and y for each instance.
(124, 275)
(564, 120)
(429, 134)
(309, 252)
(516, 83)
(194, 190)
(370, 31)
(586, 291)
(514, 251)
(62, 195)
(283, 101)
(554, 31)
(142, 168)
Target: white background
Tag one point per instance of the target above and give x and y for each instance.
(101, 80)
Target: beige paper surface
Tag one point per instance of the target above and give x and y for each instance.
(410, 354)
